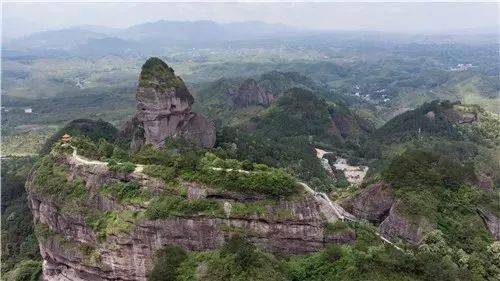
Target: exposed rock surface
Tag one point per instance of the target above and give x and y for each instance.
(251, 93)
(372, 204)
(398, 226)
(265, 89)
(164, 110)
(72, 250)
(492, 222)
(377, 203)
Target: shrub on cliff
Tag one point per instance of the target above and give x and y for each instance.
(51, 178)
(226, 174)
(86, 147)
(166, 206)
(167, 261)
(160, 171)
(126, 167)
(150, 155)
(245, 253)
(237, 260)
(105, 149)
(27, 270)
(125, 191)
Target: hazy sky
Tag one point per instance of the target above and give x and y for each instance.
(22, 18)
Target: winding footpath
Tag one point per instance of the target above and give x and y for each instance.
(330, 209)
(83, 160)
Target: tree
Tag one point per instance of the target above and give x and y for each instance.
(167, 262)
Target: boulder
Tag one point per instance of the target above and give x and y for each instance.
(199, 131)
(399, 226)
(373, 203)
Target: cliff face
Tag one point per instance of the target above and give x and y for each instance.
(398, 226)
(164, 110)
(372, 204)
(73, 246)
(251, 93)
(265, 89)
(492, 221)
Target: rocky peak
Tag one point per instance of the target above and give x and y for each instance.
(156, 74)
(251, 93)
(164, 110)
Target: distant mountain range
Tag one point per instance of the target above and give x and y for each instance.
(147, 35)
(153, 37)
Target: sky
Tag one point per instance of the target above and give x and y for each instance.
(21, 18)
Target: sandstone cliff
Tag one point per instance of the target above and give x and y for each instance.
(492, 221)
(251, 93)
(86, 233)
(264, 89)
(164, 110)
(399, 226)
(372, 204)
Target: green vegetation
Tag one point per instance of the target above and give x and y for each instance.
(26, 270)
(285, 135)
(418, 168)
(86, 147)
(437, 160)
(438, 184)
(149, 155)
(295, 154)
(267, 209)
(273, 182)
(367, 259)
(162, 172)
(25, 141)
(417, 123)
(126, 167)
(168, 206)
(90, 131)
(336, 227)
(442, 119)
(167, 261)
(237, 260)
(157, 74)
(51, 179)
(169, 163)
(106, 223)
(20, 250)
(301, 111)
(241, 260)
(126, 192)
(433, 260)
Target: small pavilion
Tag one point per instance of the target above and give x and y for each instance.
(66, 138)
